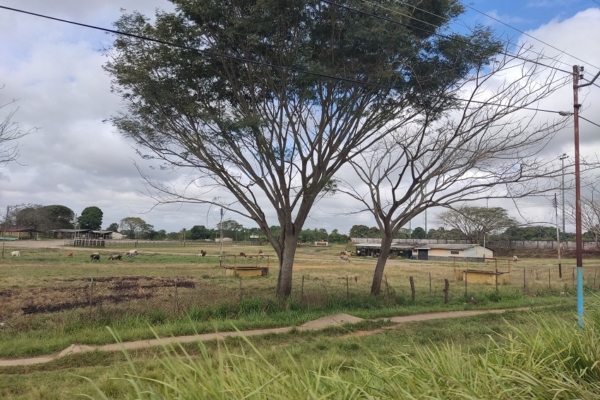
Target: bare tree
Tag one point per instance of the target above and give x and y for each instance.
(487, 146)
(269, 99)
(10, 133)
(590, 213)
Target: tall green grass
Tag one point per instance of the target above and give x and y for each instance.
(551, 359)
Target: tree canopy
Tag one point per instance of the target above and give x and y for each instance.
(474, 222)
(90, 218)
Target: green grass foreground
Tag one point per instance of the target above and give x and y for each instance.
(552, 358)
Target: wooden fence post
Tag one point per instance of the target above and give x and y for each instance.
(241, 294)
(446, 290)
(430, 284)
(176, 299)
(91, 294)
(302, 289)
(347, 287)
(549, 284)
(524, 280)
(412, 288)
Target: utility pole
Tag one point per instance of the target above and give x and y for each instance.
(578, 74)
(578, 234)
(4, 233)
(557, 236)
(562, 159)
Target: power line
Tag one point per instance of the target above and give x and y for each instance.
(530, 36)
(440, 16)
(226, 56)
(333, 3)
(591, 122)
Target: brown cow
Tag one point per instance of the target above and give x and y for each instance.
(70, 255)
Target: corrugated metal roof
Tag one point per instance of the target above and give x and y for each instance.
(449, 246)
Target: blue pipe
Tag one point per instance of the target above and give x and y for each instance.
(580, 295)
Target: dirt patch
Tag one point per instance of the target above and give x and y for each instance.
(83, 292)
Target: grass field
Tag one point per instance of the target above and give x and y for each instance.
(51, 301)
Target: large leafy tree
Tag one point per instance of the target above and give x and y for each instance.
(135, 227)
(90, 218)
(268, 99)
(474, 222)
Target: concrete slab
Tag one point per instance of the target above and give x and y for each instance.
(330, 320)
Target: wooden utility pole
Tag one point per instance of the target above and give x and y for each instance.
(4, 233)
(557, 237)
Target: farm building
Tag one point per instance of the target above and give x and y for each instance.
(19, 233)
(423, 251)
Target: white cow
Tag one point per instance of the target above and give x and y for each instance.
(15, 254)
(132, 253)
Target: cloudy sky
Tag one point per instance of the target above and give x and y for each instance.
(54, 73)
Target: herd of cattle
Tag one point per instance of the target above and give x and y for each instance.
(344, 255)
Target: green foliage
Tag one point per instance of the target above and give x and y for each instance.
(363, 231)
(529, 233)
(90, 218)
(419, 233)
(474, 222)
(135, 227)
(199, 232)
(114, 227)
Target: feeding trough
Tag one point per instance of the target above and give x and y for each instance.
(483, 276)
(247, 266)
(246, 272)
(486, 277)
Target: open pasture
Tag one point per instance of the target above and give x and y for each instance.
(46, 294)
(51, 301)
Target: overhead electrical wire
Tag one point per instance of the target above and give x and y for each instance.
(530, 36)
(226, 56)
(440, 16)
(333, 3)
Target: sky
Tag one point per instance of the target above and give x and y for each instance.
(53, 72)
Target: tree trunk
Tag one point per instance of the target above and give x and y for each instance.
(386, 244)
(286, 264)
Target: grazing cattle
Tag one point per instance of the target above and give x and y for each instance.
(515, 258)
(202, 253)
(70, 255)
(344, 258)
(15, 253)
(260, 253)
(114, 257)
(132, 253)
(242, 254)
(346, 253)
(95, 257)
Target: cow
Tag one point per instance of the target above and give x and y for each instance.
(202, 253)
(346, 253)
(132, 253)
(242, 254)
(260, 253)
(70, 255)
(15, 253)
(114, 257)
(515, 258)
(344, 258)
(95, 257)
